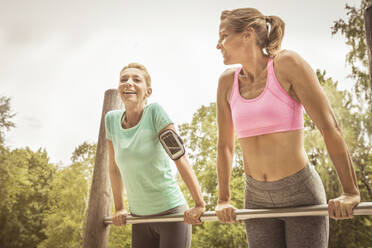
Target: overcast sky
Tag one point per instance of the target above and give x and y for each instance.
(58, 57)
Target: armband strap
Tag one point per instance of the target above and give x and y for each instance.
(172, 144)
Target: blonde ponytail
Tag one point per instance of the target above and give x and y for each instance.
(275, 36)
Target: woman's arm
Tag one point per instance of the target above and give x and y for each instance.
(188, 176)
(224, 210)
(306, 86)
(119, 217)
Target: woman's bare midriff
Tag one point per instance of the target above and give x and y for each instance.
(271, 157)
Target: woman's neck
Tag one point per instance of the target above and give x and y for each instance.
(254, 64)
(133, 114)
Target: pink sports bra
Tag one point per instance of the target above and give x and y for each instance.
(271, 112)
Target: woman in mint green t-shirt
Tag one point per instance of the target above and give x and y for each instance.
(138, 161)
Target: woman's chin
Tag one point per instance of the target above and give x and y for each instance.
(227, 61)
(129, 100)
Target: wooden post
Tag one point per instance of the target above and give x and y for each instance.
(100, 200)
(368, 26)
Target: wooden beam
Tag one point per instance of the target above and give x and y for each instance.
(100, 200)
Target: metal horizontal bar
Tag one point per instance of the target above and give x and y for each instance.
(364, 208)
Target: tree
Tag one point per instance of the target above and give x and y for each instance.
(354, 31)
(5, 116)
(68, 197)
(356, 232)
(24, 187)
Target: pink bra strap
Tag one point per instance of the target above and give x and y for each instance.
(270, 65)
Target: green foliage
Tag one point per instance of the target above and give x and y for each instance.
(218, 235)
(356, 232)
(200, 137)
(5, 116)
(201, 144)
(359, 126)
(24, 188)
(120, 237)
(68, 200)
(354, 31)
(84, 153)
(64, 220)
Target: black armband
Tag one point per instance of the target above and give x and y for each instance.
(172, 144)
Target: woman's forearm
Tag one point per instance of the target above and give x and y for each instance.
(340, 157)
(224, 165)
(117, 188)
(115, 178)
(188, 176)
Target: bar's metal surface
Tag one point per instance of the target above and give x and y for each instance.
(364, 208)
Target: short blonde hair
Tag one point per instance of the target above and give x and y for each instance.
(240, 19)
(140, 67)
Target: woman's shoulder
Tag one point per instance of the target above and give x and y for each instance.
(155, 108)
(288, 64)
(112, 113)
(227, 78)
(287, 59)
(228, 73)
(113, 116)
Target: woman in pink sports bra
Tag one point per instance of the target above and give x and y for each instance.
(263, 102)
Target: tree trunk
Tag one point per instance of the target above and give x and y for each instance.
(100, 200)
(368, 26)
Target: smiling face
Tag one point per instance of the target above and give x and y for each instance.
(133, 88)
(231, 44)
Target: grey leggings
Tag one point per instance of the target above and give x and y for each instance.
(162, 235)
(303, 188)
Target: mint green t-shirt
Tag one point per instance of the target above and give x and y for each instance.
(144, 166)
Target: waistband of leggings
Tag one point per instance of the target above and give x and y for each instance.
(174, 210)
(297, 178)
